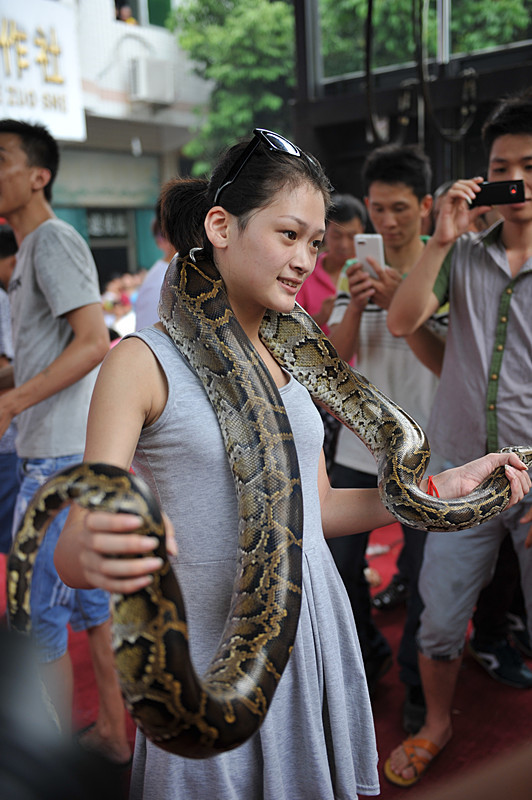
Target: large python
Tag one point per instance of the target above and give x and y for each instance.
(177, 710)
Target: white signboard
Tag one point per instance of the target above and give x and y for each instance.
(39, 69)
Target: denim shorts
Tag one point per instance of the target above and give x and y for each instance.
(54, 605)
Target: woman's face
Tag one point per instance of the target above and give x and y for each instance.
(265, 265)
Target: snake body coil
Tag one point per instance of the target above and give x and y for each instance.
(176, 710)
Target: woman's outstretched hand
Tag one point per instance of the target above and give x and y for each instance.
(460, 481)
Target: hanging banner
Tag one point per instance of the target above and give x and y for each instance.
(39, 69)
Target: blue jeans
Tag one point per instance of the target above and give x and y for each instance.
(54, 605)
(9, 486)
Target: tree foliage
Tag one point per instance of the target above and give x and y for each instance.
(246, 50)
(475, 25)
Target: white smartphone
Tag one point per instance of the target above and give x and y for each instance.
(369, 244)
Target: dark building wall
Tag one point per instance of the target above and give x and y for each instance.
(333, 124)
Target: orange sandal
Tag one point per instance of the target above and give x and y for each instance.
(417, 762)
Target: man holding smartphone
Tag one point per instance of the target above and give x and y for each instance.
(397, 184)
(486, 378)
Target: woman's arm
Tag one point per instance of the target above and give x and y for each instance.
(349, 511)
(130, 393)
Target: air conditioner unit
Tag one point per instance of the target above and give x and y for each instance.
(151, 81)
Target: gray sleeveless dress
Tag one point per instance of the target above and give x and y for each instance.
(317, 742)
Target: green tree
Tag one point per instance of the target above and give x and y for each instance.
(475, 25)
(246, 50)
(343, 34)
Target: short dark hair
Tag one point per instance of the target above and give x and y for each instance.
(395, 163)
(39, 145)
(512, 115)
(185, 202)
(345, 207)
(8, 243)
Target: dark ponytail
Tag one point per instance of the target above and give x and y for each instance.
(183, 208)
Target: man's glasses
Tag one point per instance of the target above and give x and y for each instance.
(274, 141)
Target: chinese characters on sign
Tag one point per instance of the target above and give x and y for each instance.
(107, 224)
(15, 56)
(35, 61)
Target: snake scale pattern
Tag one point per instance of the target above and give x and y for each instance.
(177, 710)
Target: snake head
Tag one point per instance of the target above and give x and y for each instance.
(524, 451)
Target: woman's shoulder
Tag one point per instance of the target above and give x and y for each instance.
(132, 368)
(155, 339)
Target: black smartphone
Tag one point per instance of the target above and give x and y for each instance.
(499, 193)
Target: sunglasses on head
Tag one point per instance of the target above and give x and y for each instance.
(273, 141)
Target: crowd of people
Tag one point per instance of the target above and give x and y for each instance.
(443, 330)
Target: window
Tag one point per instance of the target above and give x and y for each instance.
(148, 12)
(469, 26)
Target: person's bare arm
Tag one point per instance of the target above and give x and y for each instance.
(130, 393)
(428, 347)
(86, 350)
(414, 301)
(7, 380)
(510, 773)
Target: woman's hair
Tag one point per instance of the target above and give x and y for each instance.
(185, 202)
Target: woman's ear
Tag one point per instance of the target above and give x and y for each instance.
(217, 224)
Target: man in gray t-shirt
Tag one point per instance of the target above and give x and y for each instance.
(59, 338)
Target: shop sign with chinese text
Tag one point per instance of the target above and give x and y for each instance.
(39, 68)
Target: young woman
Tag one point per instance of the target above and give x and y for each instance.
(260, 220)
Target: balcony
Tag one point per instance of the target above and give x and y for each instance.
(136, 82)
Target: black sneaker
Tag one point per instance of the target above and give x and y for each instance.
(519, 634)
(504, 663)
(394, 595)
